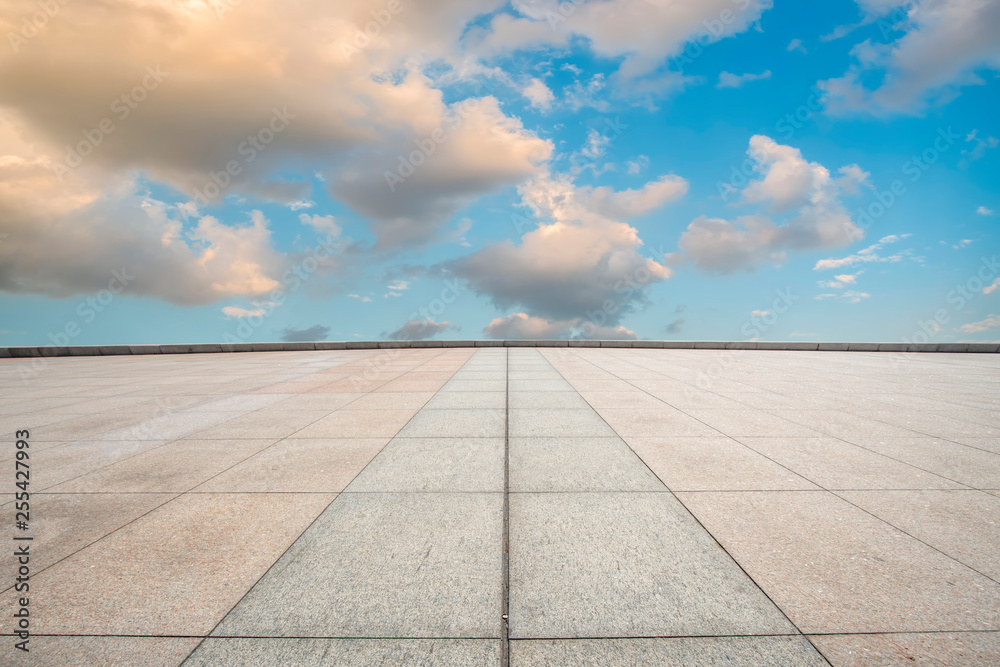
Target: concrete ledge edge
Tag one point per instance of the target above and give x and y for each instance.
(211, 348)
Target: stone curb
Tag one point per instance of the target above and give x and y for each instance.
(207, 348)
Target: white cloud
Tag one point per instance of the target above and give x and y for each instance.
(866, 255)
(346, 115)
(849, 296)
(538, 94)
(982, 210)
(605, 333)
(789, 185)
(578, 260)
(358, 297)
(729, 80)
(760, 313)
(478, 150)
(629, 203)
(989, 289)
(637, 165)
(979, 148)
(523, 326)
(796, 45)
(991, 322)
(840, 281)
(643, 34)
(70, 236)
(962, 244)
(237, 312)
(520, 326)
(945, 43)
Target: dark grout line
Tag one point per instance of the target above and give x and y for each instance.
(889, 633)
(505, 562)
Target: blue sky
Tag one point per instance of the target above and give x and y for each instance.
(722, 170)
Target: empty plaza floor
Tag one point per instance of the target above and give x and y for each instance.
(491, 506)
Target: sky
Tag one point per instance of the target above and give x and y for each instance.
(242, 171)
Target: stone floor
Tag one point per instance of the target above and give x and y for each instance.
(689, 507)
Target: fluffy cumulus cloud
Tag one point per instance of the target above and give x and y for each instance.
(645, 35)
(409, 187)
(579, 262)
(944, 45)
(214, 99)
(420, 329)
(803, 193)
(78, 235)
(538, 94)
(521, 326)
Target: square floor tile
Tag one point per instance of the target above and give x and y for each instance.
(835, 568)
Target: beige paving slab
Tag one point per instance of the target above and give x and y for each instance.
(950, 649)
(664, 422)
(62, 524)
(409, 400)
(967, 465)
(55, 465)
(835, 464)
(835, 568)
(175, 467)
(299, 464)
(750, 422)
(713, 464)
(92, 651)
(327, 402)
(271, 423)
(176, 571)
(358, 424)
(963, 524)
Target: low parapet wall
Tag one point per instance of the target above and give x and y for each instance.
(200, 348)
